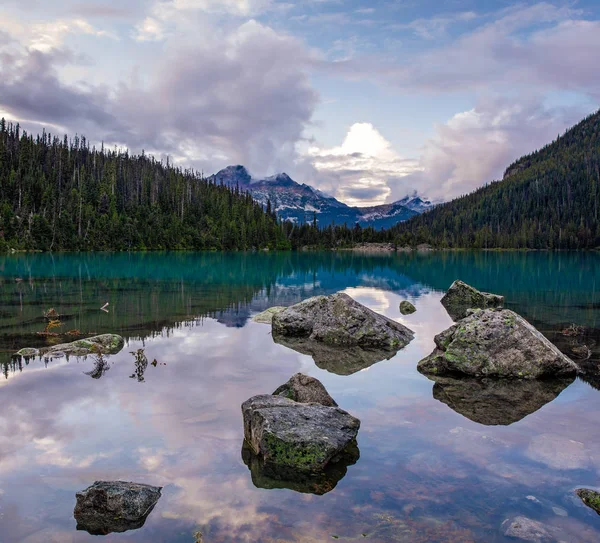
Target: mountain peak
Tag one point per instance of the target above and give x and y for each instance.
(300, 202)
(233, 175)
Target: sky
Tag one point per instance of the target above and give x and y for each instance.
(368, 101)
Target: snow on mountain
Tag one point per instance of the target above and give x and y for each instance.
(300, 202)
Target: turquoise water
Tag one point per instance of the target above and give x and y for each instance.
(431, 466)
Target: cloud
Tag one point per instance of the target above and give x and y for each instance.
(435, 27)
(475, 147)
(149, 30)
(359, 170)
(243, 97)
(540, 46)
(31, 90)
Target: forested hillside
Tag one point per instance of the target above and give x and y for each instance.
(547, 200)
(57, 194)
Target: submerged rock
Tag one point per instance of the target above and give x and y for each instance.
(526, 529)
(266, 317)
(280, 477)
(305, 389)
(496, 343)
(497, 401)
(462, 297)
(114, 506)
(406, 308)
(338, 320)
(103, 344)
(289, 436)
(558, 452)
(591, 498)
(338, 360)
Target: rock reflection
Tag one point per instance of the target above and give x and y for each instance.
(582, 345)
(273, 477)
(141, 364)
(496, 402)
(338, 360)
(101, 366)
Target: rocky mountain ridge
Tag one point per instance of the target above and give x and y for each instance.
(300, 203)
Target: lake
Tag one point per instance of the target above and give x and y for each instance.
(435, 466)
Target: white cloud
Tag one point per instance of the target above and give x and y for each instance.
(475, 147)
(48, 36)
(149, 30)
(359, 170)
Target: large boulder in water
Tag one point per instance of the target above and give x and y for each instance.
(496, 343)
(462, 297)
(338, 320)
(305, 389)
(497, 401)
(114, 506)
(294, 437)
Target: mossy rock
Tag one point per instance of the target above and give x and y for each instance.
(591, 498)
(288, 435)
(496, 343)
(406, 308)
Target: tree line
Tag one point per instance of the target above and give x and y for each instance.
(63, 195)
(549, 199)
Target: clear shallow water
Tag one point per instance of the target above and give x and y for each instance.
(426, 472)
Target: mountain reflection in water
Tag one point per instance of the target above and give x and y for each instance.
(426, 473)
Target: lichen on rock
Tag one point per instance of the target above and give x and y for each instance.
(338, 320)
(496, 343)
(462, 297)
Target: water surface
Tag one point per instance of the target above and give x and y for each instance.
(435, 463)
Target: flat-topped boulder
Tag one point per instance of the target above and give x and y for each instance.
(340, 321)
(462, 297)
(496, 343)
(296, 436)
(102, 344)
(114, 506)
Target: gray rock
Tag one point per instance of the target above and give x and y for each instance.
(266, 317)
(104, 344)
(305, 389)
(406, 308)
(338, 360)
(462, 297)
(496, 343)
(114, 506)
(591, 498)
(526, 529)
(296, 437)
(497, 401)
(338, 320)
